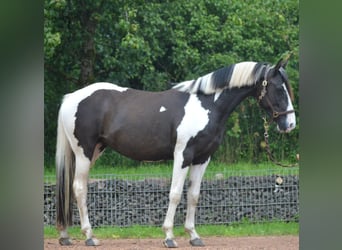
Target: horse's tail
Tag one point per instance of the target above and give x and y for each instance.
(65, 169)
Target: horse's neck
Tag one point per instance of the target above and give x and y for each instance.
(231, 98)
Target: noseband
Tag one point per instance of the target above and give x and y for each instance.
(262, 95)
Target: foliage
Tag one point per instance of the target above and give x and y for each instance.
(151, 45)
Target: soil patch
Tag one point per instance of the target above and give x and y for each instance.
(233, 243)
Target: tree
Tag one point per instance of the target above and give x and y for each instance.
(150, 45)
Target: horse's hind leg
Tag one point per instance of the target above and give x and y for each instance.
(196, 174)
(80, 191)
(64, 239)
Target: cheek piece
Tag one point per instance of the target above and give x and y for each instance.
(275, 113)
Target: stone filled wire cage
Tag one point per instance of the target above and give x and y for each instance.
(226, 197)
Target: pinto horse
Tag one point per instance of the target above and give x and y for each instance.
(185, 123)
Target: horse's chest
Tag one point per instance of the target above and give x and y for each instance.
(195, 119)
(198, 134)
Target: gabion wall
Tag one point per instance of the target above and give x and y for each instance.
(225, 198)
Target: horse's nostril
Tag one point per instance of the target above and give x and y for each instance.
(291, 126)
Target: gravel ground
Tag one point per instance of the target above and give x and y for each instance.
(236, 243)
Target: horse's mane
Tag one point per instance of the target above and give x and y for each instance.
(234, 76)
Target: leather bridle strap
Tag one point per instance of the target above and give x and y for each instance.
(275, 113)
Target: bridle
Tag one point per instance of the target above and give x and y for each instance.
(275, 114)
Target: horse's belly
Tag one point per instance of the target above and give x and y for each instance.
(143, 149)
(146, 153)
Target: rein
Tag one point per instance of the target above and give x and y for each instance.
(268, 149)
(275, 114)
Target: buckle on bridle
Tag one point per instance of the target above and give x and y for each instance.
(263, 91)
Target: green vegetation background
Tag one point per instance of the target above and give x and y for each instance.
(149, 45)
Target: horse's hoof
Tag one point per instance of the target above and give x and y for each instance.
(197, 242)
(92, 242)
(65, 241)
(169, 243)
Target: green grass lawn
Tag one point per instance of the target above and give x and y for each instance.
(165, 169)
(241, 229)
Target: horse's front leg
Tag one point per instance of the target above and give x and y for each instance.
(178, 178)
(80, 191)
(196, 174)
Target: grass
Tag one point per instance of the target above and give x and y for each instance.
(141, 170)
(234, 230)
(166, 169)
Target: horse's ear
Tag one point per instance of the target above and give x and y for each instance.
(282, 62)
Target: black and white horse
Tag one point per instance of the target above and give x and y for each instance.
(185, 123)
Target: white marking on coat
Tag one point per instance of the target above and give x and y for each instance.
(291, 117)
(162, 109)
(195, 119)
(217, 94)
(70, 105)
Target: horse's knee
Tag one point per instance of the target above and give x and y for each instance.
(175, 197)
(193, 198)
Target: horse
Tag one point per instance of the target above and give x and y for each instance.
(185, 123)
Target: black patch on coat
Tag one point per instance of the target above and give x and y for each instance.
(130, 122)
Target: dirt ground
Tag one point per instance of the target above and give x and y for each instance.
(233, 243)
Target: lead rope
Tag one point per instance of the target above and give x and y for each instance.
(268, 149)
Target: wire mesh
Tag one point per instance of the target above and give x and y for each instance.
(226, 197)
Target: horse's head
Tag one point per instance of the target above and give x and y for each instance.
(274, 95)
